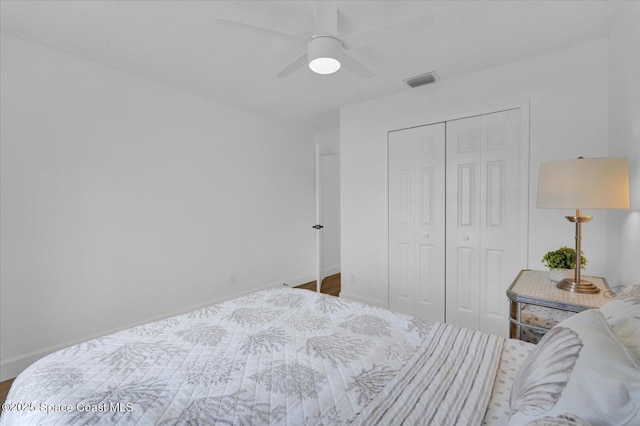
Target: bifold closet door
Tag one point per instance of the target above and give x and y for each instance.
(484, 218)
(417, 222)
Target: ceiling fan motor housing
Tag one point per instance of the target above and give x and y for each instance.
(323, 54)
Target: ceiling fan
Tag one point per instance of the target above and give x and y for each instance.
(326, 53)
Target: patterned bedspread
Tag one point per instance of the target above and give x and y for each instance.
(280, 356)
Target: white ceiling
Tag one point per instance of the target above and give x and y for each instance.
(178, 43)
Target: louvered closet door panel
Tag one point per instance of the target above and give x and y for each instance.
(416, 222)
(484, 192)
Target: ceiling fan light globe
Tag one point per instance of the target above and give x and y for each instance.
(323, 53)
(324, 65)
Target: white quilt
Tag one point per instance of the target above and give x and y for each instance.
(280, 356)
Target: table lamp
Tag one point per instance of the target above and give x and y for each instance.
(584, 183)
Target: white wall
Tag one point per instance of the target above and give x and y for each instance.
(123, 201)
(329, 140)
(623, 243)
(567, 95)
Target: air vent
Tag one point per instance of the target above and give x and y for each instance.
(421, 80)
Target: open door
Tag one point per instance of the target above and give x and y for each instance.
(318, 226)
(327, 214)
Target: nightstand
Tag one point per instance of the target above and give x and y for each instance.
(537, 304)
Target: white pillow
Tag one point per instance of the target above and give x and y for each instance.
(579, 367)
(623, 315)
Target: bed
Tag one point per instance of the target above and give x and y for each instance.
(294, 357)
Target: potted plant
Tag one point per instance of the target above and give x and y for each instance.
(561, 263)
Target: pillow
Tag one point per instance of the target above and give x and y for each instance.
(623, 315)
(579, 367)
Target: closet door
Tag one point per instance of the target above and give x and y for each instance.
(417, 222)
(484, 218)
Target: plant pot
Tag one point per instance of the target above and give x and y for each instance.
(558, 275)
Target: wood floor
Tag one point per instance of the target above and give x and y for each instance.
(4, 390)
(330, 285)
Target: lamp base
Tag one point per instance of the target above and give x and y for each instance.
(570, 284)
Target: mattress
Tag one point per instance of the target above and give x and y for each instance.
(279, 356)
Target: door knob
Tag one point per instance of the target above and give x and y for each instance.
(466, 238)
(426, 235)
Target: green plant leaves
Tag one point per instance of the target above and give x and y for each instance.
(563, 258)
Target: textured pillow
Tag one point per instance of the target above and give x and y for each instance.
(623, 314)
(579, 367)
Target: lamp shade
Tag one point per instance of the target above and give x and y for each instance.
(584, 183)
(323, 54)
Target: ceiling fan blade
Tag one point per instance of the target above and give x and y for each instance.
(349, 63)
(384, 32)
(327, 17)
(263, 31)
(298, 63)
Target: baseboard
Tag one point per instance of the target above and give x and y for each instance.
(296, 281)
(363, 300)
(14, 366)
(11, 367)
(331, 270)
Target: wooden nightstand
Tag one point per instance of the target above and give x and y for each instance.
(537, 304)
